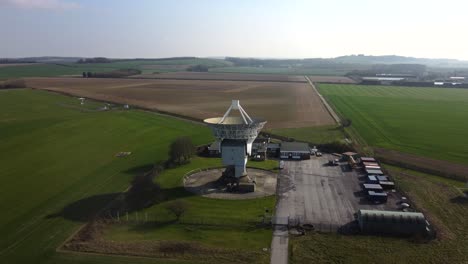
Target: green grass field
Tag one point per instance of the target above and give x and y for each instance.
(315, 135)
(442, 205)
(429, 122)
(54, 153)
(146, 66)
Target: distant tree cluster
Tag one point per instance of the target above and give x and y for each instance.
(181, 150)
(198, 68)
(112, 74)
(416, 70)
(10, 84)
(94, 60)
(12, 61)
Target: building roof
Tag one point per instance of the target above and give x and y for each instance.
(383, 79)
(368, 159)
(374, 171)
(401, 217)
(372, 193)
(273, 145)
(294, 147)
(372, 186)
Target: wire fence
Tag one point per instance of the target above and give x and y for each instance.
(157, 218)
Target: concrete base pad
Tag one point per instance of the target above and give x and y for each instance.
(258, 183)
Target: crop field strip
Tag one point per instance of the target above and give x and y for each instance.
(428, 122)
(284, 105)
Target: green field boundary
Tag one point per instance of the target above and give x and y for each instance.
(360, 145)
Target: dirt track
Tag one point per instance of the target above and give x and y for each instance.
(284, 105)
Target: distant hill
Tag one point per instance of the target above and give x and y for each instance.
(52, 59)
(394, 59)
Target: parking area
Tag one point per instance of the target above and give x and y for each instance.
(326, 196)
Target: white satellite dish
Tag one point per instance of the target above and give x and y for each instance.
(239, 132)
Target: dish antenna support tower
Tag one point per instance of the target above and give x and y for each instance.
(236, 135)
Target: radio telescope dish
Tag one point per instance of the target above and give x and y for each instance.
(236, 134)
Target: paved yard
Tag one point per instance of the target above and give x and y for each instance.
(324, 196)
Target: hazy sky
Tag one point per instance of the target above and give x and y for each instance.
(153, 28)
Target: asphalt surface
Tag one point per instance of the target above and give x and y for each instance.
(312, 192)
(327, 197)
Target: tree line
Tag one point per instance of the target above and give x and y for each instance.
(112, 74)
(94, 60)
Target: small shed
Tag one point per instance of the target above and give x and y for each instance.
(382, 178)
(387, 185)
(294, 150)
(377, 196)
(374, 172)
(368, 159)
(372, 179)
(370, 164)
(391, 222)
(273, 149)
(214, 149)
(372, 187)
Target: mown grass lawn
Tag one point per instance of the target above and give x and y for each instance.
(430, 122)
(55, 153)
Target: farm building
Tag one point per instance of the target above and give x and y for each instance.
(294, 150)
(259, 148)
(273, 149)
(391, 222)
(382, 80)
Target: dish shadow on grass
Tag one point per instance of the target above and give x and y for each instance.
(87, 208)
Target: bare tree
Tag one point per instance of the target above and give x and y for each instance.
(178, 208)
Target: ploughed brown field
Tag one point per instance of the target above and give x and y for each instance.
(223, 76)
(331, 79)
(282, 104)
